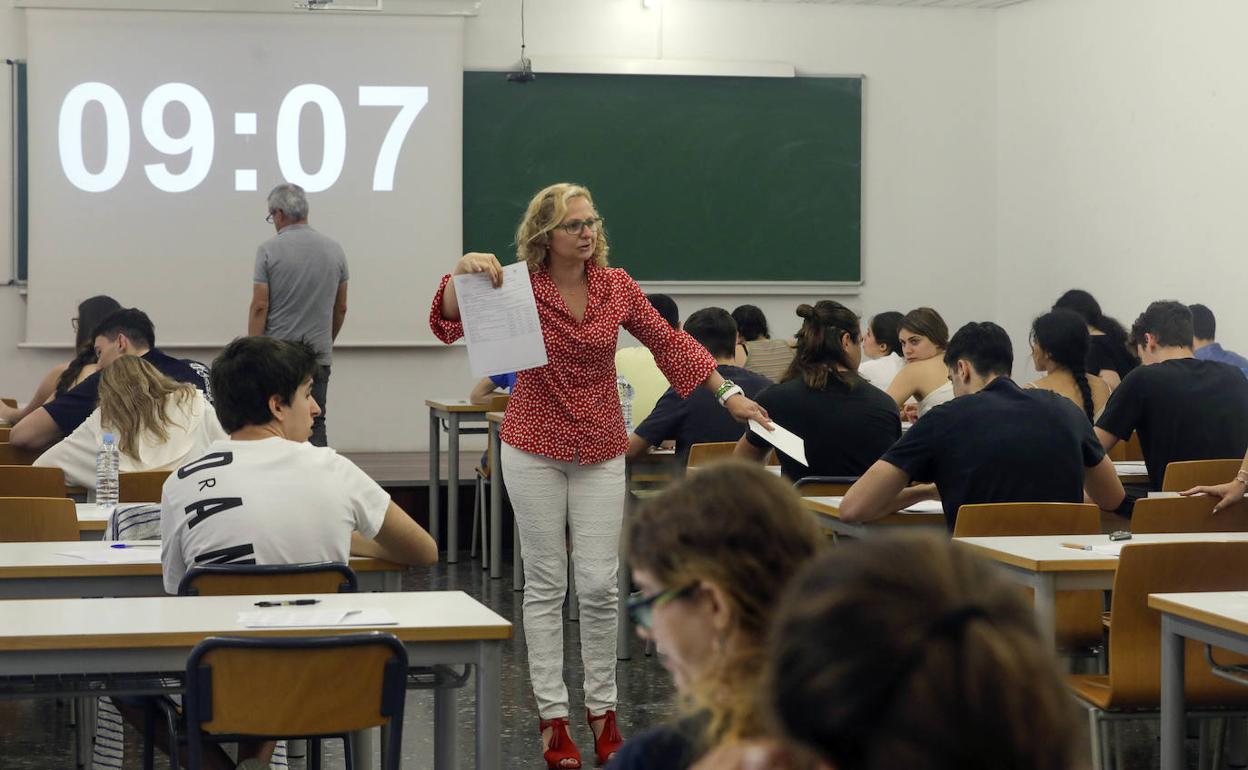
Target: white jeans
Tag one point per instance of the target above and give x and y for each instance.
(549, 495)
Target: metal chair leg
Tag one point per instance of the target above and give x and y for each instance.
(476, 521)
(1095, 739)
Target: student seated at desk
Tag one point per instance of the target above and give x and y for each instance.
(1205, 327)
(699, 418)
(157, 423)
(881, 346)
(637, 375)
(994, 443)
(1059, 348)
(487, 388)
(845, 421)
(763, 355)
(1110, 355)
(924, 378)
(1182, 407)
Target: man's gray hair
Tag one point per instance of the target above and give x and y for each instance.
(290, 200)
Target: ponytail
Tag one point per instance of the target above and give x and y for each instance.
(819, 350)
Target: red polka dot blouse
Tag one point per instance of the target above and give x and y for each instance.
(569, 409)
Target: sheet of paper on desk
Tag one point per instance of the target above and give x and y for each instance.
(1108, 549)
(315, 618)
(1130, 468)
(501, 325)
(785, 440)
(102, 553)
(925, 506)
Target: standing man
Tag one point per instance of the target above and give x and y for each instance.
(300, 291)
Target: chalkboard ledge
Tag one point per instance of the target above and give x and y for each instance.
(754, 288)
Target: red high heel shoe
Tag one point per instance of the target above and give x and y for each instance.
(608, 741)
(562, 753)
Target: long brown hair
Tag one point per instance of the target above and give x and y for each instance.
(925, 321)
(134, 400)
(90, 312)
(819, 350)
(911, 652)
(742, 528)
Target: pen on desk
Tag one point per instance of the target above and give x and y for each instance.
(1077, 547)
(289, 603)
(135, 545)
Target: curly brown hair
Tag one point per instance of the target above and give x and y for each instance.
(545, 211)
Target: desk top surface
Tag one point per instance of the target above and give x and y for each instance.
(461, 405)
(42, 560)
(830, 506)
(181, 621)
(1045, 553)
(1227, 610)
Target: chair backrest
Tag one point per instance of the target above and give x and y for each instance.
(1135, 641)
(705, 454)
(497, 403)
(1018, 519)
(11, 402)
(5, 430)
(37, 519)
(296, 687)
(824, 486)
(141, 486)
(29, 481)
(1186, 474)
(255, 579)
(11, 456)
(1129, 450)
(1187, 514)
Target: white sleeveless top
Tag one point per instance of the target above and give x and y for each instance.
(935, 398)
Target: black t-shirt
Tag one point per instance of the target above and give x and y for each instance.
(845, 431)
(700, 418)
(72, 408)
(1104, 353)
(1184, 409)
(1003, 444)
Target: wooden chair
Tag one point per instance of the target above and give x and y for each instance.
(37, 519)
(141, 486)
(824, 486)
(1190, 473)
(498, 403)
(10, 402)
(705, 454)
(1187, 514)
(1132, 689)
(311, 687)
(1078, 612)
(5, 430)
(29, 481)
(11, 456)
(258, 579)
(1129, 450)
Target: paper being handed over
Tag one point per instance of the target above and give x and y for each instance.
(786, 441)
(500, 325)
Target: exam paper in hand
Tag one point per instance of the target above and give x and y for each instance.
(785, 440)
(501, 325)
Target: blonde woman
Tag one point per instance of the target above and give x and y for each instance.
(712, 556)
(564, 442)
(157, 424)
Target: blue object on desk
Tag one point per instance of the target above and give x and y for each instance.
(135, 545)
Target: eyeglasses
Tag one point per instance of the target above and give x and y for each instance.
(641, 609)
(74, 323)
(269, 218)
(577, 225)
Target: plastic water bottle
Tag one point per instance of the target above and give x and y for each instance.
(107, 462)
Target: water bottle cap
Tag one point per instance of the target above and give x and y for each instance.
(108, 438)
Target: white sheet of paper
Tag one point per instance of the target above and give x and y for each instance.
(501, 325)
(301, 617)
(1108, 549)
(1130, 468)
(926, 506)
(104, 554)
(785, 440)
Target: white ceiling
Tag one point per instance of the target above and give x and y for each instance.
(915, 3)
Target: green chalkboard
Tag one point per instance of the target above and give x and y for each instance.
(697, 178)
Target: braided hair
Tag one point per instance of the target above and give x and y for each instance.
(819, 349)
(1064, 338)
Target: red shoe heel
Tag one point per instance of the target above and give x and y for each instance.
(608, 741)
(562, 753)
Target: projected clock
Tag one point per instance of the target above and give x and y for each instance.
(198, 142)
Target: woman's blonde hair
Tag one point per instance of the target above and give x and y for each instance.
(134, 399)
(737, 526)
(545, 212)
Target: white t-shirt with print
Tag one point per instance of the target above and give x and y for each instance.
(271, 501)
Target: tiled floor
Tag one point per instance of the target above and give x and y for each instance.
(36, 734)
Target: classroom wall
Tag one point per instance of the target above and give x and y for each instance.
(928, 184)
(1121, 163)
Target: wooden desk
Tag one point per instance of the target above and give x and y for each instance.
(1219, 618)
(92, 521)
(102, 637)
(456, 412)
(36, 571)
(828, 513)
(1043, 564)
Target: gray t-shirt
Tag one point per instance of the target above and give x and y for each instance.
(303, 270)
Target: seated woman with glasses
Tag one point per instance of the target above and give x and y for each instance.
(157, 424)
(64, 377)
(711, 556)
(925, 377)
